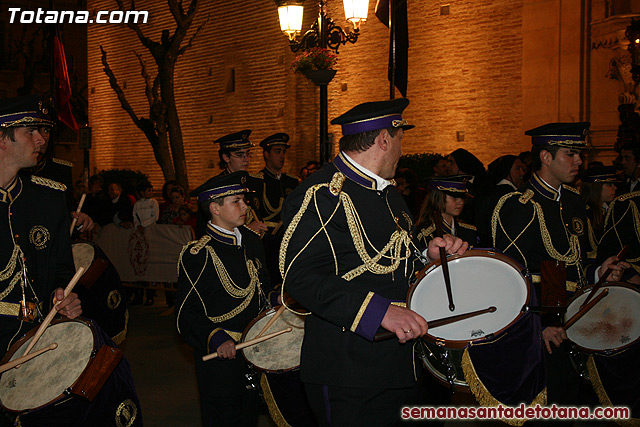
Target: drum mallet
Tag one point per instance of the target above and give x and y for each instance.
(47, 320)
(73, 223)
(280, 310)
(249, 343)
(382, 336)
(597, 286)
(583, 309)
(20, 360)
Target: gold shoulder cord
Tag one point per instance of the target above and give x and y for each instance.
(495, 220)
(9, 270)
(610, 217)
(592, 240)
(227, 283)
(400, 239)
(267, 206)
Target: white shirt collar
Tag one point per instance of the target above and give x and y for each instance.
(559, 189)
(507, 182)
(235, 232)
(381, 183)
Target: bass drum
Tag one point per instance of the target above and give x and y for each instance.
(84, 381)
(100, 290)
(479, 279)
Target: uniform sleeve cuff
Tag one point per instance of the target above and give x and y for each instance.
(219, 336)
(370, 315)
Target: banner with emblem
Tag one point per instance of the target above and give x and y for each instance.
(150, 255)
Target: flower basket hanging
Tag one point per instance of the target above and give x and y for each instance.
(316, 64)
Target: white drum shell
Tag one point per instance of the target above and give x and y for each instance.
(613, 323)
(44, 378)
(280, 353)
(477, 282)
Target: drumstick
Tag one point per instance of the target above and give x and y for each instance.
(73, 223)
(249, 343)
(47, 320)
(382, 336)
(277, 314)
(437, 216)
(597, 286)
(20, 360)
(583, 309)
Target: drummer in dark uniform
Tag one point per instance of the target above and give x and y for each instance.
(35, 252)
(277, 185)
(347, 257)
(235, 154)
(447, 196)
(546, 221)
(221, 288)
(60, 171)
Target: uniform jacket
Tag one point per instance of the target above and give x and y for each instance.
(34, 224)
(622, 227)
(346, 262)
(274, 191)
(220, 290)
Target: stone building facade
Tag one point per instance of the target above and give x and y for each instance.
(480, 74)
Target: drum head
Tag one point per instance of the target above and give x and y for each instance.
(479, 280)
(613, 323)
(280, 353)
(44, 378)
(83, 254)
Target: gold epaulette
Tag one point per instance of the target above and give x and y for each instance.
(46, 182)
(198, 244)
(627, 196)
(335, 186)
(467, 226)
(526, 196)
(62, 162)
(255, 175)
(426, 231)
(570, 188)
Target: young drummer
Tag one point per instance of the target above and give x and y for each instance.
(220, 290)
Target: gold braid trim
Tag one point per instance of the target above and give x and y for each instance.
(9, 270)
(426, 232)
(603, 397)
(199, 244)
(528, 194)
(591, 234)
(274, 411)
(495, 220)
(485, 398)
(363, 308)
(120, 337)
(335, 186)
(468, 226)
(48, 183)
(570, 188)
(400, 239)
(572, 256)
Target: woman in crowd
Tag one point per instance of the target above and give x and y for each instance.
(447, 196)
(598, 190)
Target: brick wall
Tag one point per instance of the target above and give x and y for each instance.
(465, 81)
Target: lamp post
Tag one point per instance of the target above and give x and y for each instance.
(633, 35)
(324, 33)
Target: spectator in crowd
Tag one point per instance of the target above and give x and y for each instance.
(440, 166)
(121, 208)
(630, 161)
(97, 204)
(146, 210)
(185, 217)
(176, 195)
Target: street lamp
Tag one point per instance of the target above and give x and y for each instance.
(323, 33)
(633, 35)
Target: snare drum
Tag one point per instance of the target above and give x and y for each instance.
(613, 324)
(479, 279)
(278, 354)
(101, 290)
(84, 381)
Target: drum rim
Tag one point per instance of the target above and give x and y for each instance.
(608, 351)
(244, 335)
(16, 345)
(487, 253)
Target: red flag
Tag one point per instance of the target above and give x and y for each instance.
(63, 88)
